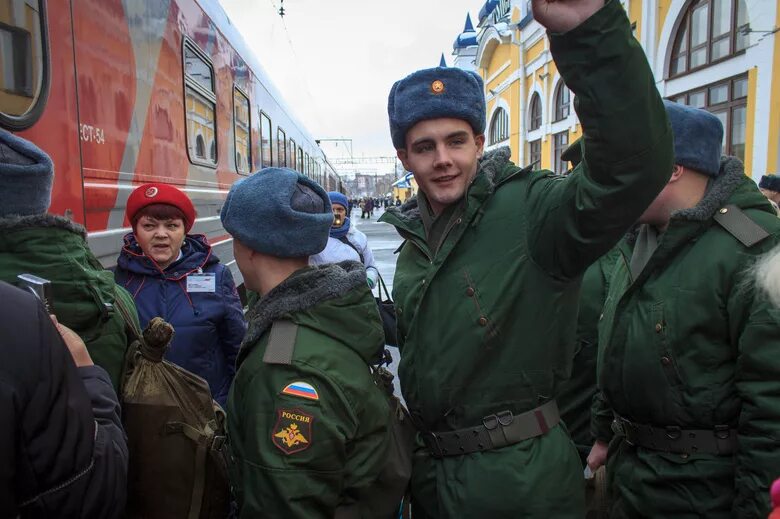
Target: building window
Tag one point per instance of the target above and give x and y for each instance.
(561, 102)
(200, 147)
(281, 145)
(242, 132)
(499, 127)
(200, 103)
(560, 143)
(24, 63)
(535, 153)
(535, 121)
(728, 101)
(300, 159)
(710, 31)
(292, 154)
(265, 141)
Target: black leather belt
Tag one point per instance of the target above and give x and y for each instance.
(496, 431)
(720, 440)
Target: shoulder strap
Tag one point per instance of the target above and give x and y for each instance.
(281, 343)
(345, 240)
(740, 226)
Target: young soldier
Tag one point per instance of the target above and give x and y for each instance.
(308, 427)
(487, 282)
(689, 351)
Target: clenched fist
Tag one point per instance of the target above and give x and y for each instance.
(561, 16)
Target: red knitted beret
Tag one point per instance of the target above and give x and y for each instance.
(154, 193)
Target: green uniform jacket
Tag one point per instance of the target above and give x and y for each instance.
(343, 432)
(690, 343)
(488, 323)
(575, 397)
(84, 293)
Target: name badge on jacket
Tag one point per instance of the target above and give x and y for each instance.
(205, 282)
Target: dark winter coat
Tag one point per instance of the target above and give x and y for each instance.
(84, 293)
(691, 343)
(487, 323)
(343, 440)
(209, 325)
(63, 450)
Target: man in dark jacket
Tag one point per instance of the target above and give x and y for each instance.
(63, 448)
(689, 349)
(308, 426)
(487, 283)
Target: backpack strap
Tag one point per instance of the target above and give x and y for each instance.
(281, 343)
(739, 225)
(345, 241)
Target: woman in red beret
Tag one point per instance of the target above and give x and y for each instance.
(176, 276)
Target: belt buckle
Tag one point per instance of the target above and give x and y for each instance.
(620, 429)
(722, 432)
(673, 432)
(218, 442)
(432, 442)
(505, 418)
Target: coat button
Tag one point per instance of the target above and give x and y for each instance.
(659, 328)
(458, 221)
(482, 321)
(666, 360)
(470, 292)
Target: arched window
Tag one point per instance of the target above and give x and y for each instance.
(561, 101)
(200, 147)
(535, 121)
(709, 31)
(499, 127)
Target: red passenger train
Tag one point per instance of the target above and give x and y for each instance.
(123, 92)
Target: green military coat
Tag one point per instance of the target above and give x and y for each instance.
(691, 343)
(488, 323)
(575, 397)
(310, 436)
(84, 293)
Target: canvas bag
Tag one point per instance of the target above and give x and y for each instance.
(175, 433)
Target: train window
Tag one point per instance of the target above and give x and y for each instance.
(201, 106)
(241, 132)
(24, 63)
(306, 165)
(265, 140)
(292, 154)
(300, 159)
(281, 144)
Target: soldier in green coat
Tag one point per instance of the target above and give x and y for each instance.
(487, 280)
(308, 427)
(689, 349)
(84, 294)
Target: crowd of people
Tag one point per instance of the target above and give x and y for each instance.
(622, 320)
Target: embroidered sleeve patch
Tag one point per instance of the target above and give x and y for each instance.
(292, 432)
(301, 389)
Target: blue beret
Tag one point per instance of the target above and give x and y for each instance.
(338, 198)
(434, 93)
(770, 182)
(698, 138)
(279, 212)
(26, 177)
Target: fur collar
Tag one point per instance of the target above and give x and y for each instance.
(488, 167)
(304, 289)
(38, 221)
(732, 174)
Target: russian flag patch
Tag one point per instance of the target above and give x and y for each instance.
(301, 389)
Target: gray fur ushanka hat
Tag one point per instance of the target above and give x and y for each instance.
(26, 177)
(698, 138)
(433, 93)
(279, 212)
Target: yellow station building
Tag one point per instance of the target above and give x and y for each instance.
(721, 55)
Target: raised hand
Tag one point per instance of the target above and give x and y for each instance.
(561, 16)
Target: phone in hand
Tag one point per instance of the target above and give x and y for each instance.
(40, 287)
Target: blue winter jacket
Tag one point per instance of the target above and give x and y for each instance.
(209, 326)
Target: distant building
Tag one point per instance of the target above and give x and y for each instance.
(720, 55)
